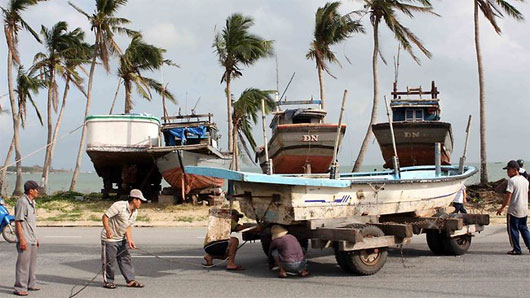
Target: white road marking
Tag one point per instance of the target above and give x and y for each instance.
(170, 257)
(62, 236)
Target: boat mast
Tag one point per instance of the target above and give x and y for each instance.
(334, 163)
(268, 162)
(395, 159)
(463, 158)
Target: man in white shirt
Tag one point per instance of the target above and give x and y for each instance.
(116, 239)
(517, 199)
(460, 200)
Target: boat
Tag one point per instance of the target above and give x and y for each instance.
(301, 142)
(189, 140)
(417, 127)
(295, 199)
(118, 148)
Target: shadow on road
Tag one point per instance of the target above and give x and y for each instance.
(6, 289)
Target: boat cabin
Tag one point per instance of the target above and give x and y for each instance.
(412, 106)
(192, 129)
(298, 115)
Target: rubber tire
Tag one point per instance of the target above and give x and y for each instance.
(435, 242)
(6, 233)
(352, 262)
(457, 245)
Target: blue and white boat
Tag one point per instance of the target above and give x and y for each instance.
(294, 199)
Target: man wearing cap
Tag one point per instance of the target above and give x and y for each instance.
(27, 244)
(223, 249)
(287, 252)
(517, 198)
(116, 239)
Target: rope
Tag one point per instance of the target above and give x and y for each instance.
(42, 148)
(72, 294)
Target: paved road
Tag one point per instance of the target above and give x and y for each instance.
(70, 256)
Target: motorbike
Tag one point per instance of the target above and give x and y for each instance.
(7, 223)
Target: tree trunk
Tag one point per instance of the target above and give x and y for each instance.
(73, 184)
(482, 103)
(47, 163)
(56, 131)
(16, 120)
(115, 97)
(321, 83)
(128, 104)
(229, 112)
(235, 155)
(373, 117)
(6, 163)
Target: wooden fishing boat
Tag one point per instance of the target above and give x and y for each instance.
(190, 140)
(417, 127)
(301, 142)
(118, 148)
(293, 199)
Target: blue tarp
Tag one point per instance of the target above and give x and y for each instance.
(182, 132)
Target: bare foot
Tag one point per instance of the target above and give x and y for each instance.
(282, 273)
(304, 273)
(208, 261)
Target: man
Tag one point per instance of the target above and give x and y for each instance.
(27, 245)
(522, 171)
(287, 252)
(459, 200)
(116, 239)
(517, 198)
(223, 249)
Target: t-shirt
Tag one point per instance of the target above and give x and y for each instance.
(288, 248)
(518, 186)
(459, 198)
(120, 219)
(26, 214)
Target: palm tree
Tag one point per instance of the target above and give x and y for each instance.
(62, 48)
(330, 28)
(104, 24)
(27, 83)
(245, 113)
(139, 57)
(13, 22)
(385, 10)
(491, 9)
(235, 46)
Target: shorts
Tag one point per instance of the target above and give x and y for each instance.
(294, 267)
(216, 248)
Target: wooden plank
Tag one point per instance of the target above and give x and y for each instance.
(368, 243)
(481, 219)
(340, 222)
(467, 230)
(398, 230)
(429, 222)
(336, 234)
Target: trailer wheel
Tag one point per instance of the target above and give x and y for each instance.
(457, 245)
(266, 239)
(366, 261)
(435, 242)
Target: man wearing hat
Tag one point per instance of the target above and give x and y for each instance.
(516, 198)
(27, 244)
(287, 252)
(223, 249)
(116, 239)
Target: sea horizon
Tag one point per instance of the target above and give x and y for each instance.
(89, 181)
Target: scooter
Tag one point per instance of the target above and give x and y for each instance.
(7, 223)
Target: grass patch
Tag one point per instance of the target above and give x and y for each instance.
(94, 218)
(143, 218)
(65, 217)
(185, 218)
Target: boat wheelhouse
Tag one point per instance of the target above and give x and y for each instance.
(417, 127)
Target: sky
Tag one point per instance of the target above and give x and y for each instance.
(186, 29)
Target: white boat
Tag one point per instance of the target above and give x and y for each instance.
(118, 147)
(293, 199)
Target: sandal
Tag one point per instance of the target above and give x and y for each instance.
(109, 285)
(514, 253)
(135, 284)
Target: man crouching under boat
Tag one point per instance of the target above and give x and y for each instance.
(223, 249)
(287, 253)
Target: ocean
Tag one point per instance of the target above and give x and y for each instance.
(90, 182)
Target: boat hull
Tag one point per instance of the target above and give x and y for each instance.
(294, 146)
(291, 200)
(414, 142)
(170, 167)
